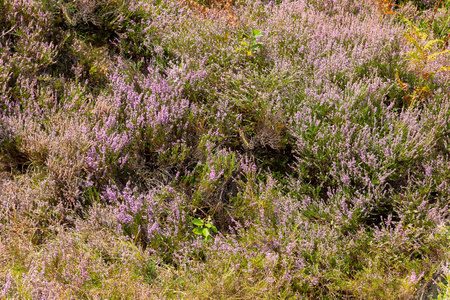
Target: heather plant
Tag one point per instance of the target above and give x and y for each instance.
(424, 4)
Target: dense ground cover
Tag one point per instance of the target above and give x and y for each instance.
(276, 150)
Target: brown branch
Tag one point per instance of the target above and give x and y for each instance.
(446, 41)
(432, 18)
(5, 33)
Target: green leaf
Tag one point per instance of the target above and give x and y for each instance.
(256, 33)
(197, 230)
(214, 228)
(205, 232)
(207, 238)
(197, 222)
(208, 225)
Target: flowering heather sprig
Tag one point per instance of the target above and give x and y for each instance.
(156, 219)
(145, 114)
(31, 54)
(363, 161)
(7, 286)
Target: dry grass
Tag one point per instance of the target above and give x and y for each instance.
(214, 8)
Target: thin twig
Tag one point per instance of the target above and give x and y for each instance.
(446, 41)
(432, 18)
(5, 33)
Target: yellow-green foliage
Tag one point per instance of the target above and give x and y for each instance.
(421, 56)
(424, 52)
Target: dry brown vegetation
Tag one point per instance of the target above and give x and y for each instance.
(214, 8)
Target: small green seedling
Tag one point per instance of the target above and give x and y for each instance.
(249, 42)
(204, 227)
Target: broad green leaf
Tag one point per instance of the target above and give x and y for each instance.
(197, 230)
(214, 228)
(256, 33)
(205, 232)
(197, 222)
(208, 225)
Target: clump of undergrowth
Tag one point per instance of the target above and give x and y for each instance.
(423, 55)
(222, 149)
